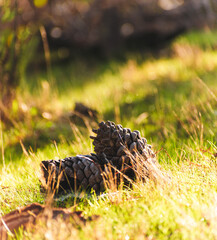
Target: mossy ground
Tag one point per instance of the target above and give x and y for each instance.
(171, 99)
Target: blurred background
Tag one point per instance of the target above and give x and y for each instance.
(59, 58)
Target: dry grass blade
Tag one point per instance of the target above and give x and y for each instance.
(148, 169)
(142, 168)
(207, 88)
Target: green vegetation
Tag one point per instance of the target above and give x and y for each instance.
(171, 99)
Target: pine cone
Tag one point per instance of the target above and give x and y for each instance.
(118, 145)
(114, 145)
(73, 173)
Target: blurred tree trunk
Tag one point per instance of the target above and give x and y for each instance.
(111, 24)
(8, 61)
(14, 39)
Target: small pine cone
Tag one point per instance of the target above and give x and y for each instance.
(118, 144)
(81, 172)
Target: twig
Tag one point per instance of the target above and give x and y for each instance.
(46, 52)
(3, 155)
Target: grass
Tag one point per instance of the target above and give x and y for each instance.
(171, 99)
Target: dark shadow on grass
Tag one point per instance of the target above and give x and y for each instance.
(38, 138)
(47, 133)
(80, 68)
(161, 108)
(166, 90)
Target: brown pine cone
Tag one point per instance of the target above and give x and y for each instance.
(120, 144)
(73, 173)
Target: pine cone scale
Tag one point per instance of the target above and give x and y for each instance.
(69, 172)
(87, 172)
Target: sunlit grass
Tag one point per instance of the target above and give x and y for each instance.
(182, 209)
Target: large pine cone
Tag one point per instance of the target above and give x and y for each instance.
(120, 144)
(115, 146)
(73, 173)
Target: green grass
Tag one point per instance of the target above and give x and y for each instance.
(171, 99)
